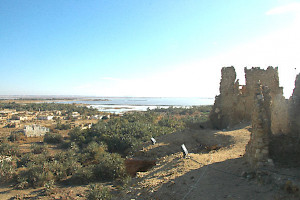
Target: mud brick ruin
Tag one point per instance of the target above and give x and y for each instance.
(35, 130)
(275, 120)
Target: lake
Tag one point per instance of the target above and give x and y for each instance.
(124, 104)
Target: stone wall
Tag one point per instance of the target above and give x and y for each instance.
(257, 150)
(294, 110)
(235, 102)
(226, 110)
(275, 120)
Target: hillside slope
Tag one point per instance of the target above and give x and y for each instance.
(215, 169)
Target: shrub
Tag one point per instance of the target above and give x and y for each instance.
(68, 162)
(61, 126)
(83, 175)
(38, 149)
(7, 149)
(16, 136)
(53, 138)
(39, 159)
(24, 159)
(77, 136)
(110, 167)
(121, 143)
(35, 176)
(197, 119)
(92, 153)
(98, 192)
(171, 123)
(7, 170)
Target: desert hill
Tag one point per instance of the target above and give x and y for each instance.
(215, 169)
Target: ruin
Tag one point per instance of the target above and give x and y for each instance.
(35, 130)
(275, 120)
(235, 101)
(257, 150)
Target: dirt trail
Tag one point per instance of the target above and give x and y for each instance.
(205, 175)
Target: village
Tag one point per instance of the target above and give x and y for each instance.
(38, 123)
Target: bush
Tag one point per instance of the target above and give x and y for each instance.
(58, 170)
(98, 192)
(35, 176)
(16, 136)
(39, 159)
(83, 175)
(42, 168)
(7, 170)
(122, 144)
(197, 119)
(53, 138)
(110, 167)
(25, 159)
(171, 123)
(38, 149)
(92, 153)
(69, 162)
(7, 149)
(77, 136)
(61, 126)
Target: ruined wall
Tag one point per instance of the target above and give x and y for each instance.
(268, 77)
(35, 130)
(279, 105)
(294, 110)
(275, 121)
(235, 105)
(257, 150)
(279, 115)
(224, 112)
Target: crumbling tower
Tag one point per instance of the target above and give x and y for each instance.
(225, 103)
(257, 150)
(235, 105)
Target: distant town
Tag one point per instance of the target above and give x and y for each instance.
(34, 122)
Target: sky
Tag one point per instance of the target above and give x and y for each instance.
(143, 48)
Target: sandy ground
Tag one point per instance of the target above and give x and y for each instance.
(213, 170)
(206, 174)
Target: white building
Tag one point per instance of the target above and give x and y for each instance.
(44, 117)
(35, 130)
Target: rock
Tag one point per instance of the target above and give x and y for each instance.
(244, 174)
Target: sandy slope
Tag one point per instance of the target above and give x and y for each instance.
(206, 174)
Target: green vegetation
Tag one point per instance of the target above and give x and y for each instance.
(123, 135)
(91, 155)
(61, 126)
(98, 192)
(38, 149)
(53, 138)
(16, 136)
(68, 108)
(7, 149)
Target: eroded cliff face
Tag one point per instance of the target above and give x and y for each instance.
(275, 120)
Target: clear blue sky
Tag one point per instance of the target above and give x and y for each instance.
(137, 47)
